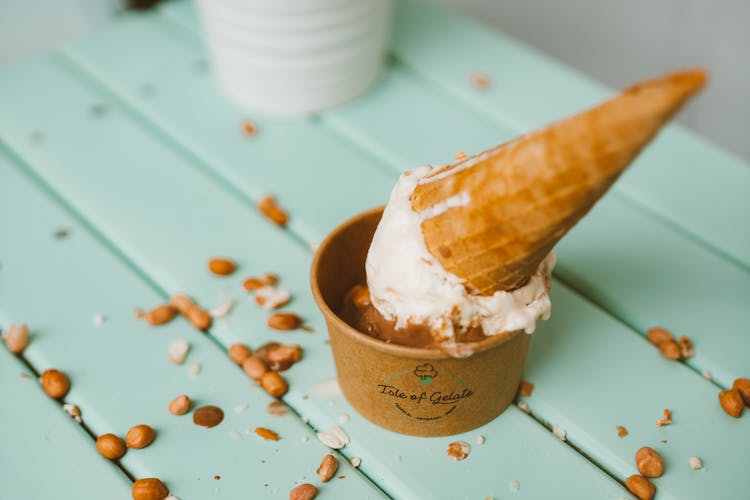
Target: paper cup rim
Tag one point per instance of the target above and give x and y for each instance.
(393, 349)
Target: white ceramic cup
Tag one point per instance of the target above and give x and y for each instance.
(295, 56)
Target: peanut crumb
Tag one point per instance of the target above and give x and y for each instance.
(249, 128)
(479, 80)
(666, 420)
(458, 450)
(559, 431)
(525, 389)
(621, 431)
(695, 463)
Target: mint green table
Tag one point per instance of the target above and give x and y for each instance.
(123, 141)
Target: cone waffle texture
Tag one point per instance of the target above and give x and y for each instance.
(491, 219)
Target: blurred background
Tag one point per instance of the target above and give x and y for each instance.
(615, 42)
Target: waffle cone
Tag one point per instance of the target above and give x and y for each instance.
(491, 219)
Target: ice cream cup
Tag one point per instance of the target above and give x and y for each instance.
(415, 391)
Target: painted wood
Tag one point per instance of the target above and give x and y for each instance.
(698, 187)
(121, 376)
(182, 216)
(45, 454)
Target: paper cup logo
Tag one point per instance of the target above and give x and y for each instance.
(424, 394)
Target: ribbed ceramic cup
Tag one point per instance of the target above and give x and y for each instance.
(295, 56)
(416, 391)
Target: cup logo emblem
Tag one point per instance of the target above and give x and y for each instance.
(423, 394)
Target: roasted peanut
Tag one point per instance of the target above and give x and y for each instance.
(17, 338)
(256, 282)
(110, 446)
(284, 321)
(221, 266)
(274, 384)
(686, 347)
(658, 335)
(194, 313)
(55, 383)
(285, 355)
(328, 467)
(149, 489)
(640, 487)
(268, 207)
(179, 405)
(649, 462)
(742, 385)
(159, 315)
(254, 367)
(139, 436)
(208, 416)
(732, 402)
(670, 350)
(305, 491)
(266, 434)
(239, 353)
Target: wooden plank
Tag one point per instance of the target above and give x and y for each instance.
(182, 217)
(636, 266)
(700, 188)
(302, 153)
(120, 374)
(45, 454)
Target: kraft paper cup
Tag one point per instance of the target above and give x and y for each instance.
(296, 56)
(415, 391)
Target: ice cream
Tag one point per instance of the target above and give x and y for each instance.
(408, 284)
(464, 251)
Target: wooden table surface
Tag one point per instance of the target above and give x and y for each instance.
(123, 169)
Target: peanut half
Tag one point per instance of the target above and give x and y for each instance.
(649, 462)
(328, 467)
(640, 487)
(256, 282)
(732, 402)
(179, 405)
(17, 338)
(149, 488)
(266, 434)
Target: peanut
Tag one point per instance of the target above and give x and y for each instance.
(305, 491)
(274, 384)
(284, 321)
(159, 315)
(110, 446)
(254, 367)
(55, 383)
(179, 405)
(328, 468)
(239, 353)
(221, 266)
(149, 489)
(360, 296)
(742, 385)
(262, 351)
(658, 335)
(194, 313)
(670, 350)
(732, 402)
(139, 436)
(256, 282)
(266, 434)
(649, 462)
(285, 355)
(17, 338)
(268, 207)
(640, 487)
